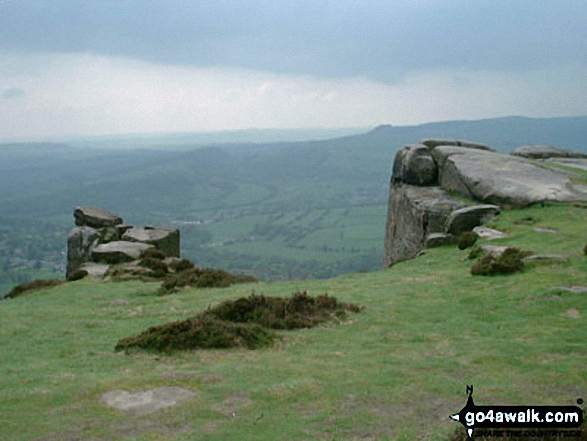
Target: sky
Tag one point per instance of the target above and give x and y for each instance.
(98, 67)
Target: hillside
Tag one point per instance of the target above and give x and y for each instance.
(396, 370)
(280, 210)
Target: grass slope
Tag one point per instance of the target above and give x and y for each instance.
(394, 371)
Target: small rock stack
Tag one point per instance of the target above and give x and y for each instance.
(101, 238)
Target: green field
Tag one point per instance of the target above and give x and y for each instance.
(396, 370)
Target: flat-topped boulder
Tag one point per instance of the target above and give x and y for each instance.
(119, 251)
(165, 239)
(545, 151)
(435, 142)
(496, 178)
(427, 177)
(95, 217)
(467, 218)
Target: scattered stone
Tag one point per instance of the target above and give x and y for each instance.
(488, 233)
(545, 151)
(544, 230)
(439, 239)
(119, 251)
(571, 289)
(141, 403)
(95, 217)
(493, 250)
(572, 313)
(80, 242)
(467, 218)
(165, 239)
(546, 258)
(96, 270)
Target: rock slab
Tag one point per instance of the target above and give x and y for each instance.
(144, 402)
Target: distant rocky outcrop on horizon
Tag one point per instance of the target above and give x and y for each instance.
(101, 238)
(423, 210)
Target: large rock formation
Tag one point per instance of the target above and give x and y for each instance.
(101, 239)
(427, 177)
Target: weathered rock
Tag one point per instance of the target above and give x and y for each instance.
(433, 143)
(572, 289)
(109, 234)
(467, 218)
(494, 250)
(141, 403)
(576, 163)
(413, 214)
(119, 251)
(165, 239)
(439, 239)
(95, 217)
(80, 242)
(545, 151)
(96, 270)
(501, 179)
(546, 258)
(488, 233)
(414, 165)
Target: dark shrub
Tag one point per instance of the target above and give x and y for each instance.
(202, 332)
(77, 275)
(202, 278)
(510, 261)
(183, 265)
(244, 322)
(467, 240)
(585, 250)
(153, 253)
(32, 286)
(475, 252)
(298, 311)
(155, 264)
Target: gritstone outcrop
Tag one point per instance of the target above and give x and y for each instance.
(426, 177)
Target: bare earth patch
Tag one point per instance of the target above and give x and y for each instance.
(148, 401)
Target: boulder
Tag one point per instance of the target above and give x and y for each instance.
(467, 218)
(439, 239)
(433, 143)
(165, 239)
(118, 251)
(80, 242)
(414, 165)
(502, 179)
(414, 213)
(545, 151)
(95, 217)
(488, 233)
(576, 163)
(96, 270)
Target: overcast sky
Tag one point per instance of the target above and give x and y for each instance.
(81, 67)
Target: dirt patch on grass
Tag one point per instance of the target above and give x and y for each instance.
(246, 322)
(233, 404)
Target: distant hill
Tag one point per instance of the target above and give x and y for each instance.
(277, 210)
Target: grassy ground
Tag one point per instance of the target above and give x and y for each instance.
(394, 371)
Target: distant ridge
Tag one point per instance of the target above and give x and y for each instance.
(503, 134)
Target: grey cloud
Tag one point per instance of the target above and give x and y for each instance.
(12, 92)
(380, 39)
